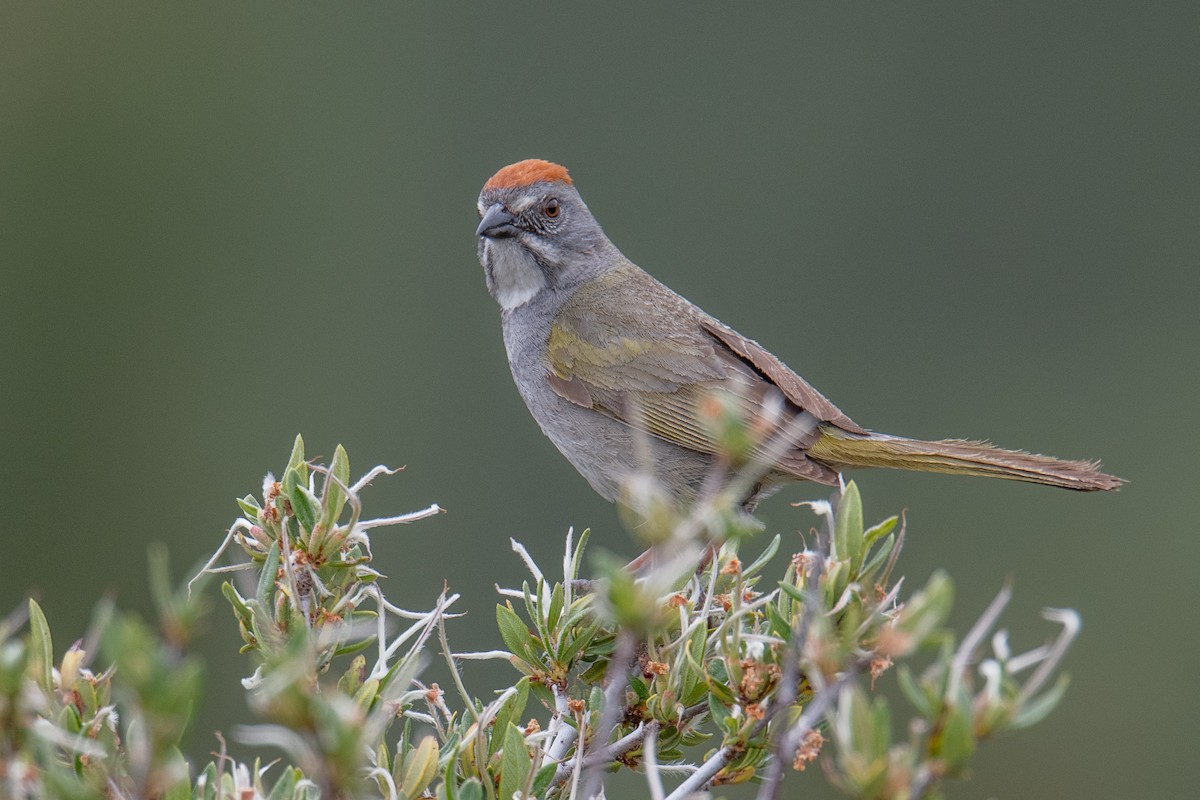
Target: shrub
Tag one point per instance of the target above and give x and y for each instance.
(699, 669)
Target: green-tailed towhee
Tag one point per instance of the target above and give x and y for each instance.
(621, 372)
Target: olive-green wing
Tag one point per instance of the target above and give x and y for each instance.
(627, 346)
(797, 390)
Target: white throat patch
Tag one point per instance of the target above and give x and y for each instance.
(517, 278)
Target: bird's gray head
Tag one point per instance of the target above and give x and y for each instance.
(535, 233)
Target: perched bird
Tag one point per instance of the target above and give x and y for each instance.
(619, 371)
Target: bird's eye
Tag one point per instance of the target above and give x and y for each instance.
(551, 208)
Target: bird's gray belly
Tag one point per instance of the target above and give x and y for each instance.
(606, 451)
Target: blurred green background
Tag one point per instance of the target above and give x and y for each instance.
(223, 224)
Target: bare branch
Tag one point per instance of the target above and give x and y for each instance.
(614, 704)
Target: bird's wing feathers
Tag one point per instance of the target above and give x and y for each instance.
(794, 388)
(652, 359)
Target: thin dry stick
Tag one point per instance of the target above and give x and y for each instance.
(628, 742)
(614, 704)
(458, 682)
(986, 621)
(650, 749)
(708, 770)
(565, 734)
(1069, 619)
(813, 712)
(790, 678)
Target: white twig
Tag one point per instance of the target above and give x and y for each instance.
(565, 733)
(700, 778)
(485, 655)
(579, 753)
(974, 637)
(520, 550)
(1069, 619)
(617, 748)
(1029, 658)
(425, 627)
(458, 683)
(382, 775)
(239, 525)
(371, 475)
(650, 759)
(568, 557)
(411, 516)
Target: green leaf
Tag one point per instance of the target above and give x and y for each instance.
(449, 786)
(181, 789)
(240, 609)
(595, 701)
(577, 556)
(305, 505)
(958, 735)
(577, 612)
(879, 557)
(779, 625)
(717, 710)
(877, 532)
(862, 723)
(881, 727)
(354, 647)
(792, 591)
(296, 460)
(41, 648)
(419, 768)
(722, 691)
(542, 781)
(556, 607)
(352, 680)
(266, 578)
(762, 560)
(366, 694)
(516, 636)
(250, 507)
(160, 581)
(471, 789)
(848, 528)
(543, 694)
(285, 787)
(515, 763)
(334, 499)
(383, 759)
(836, 579)
(913, 692)
(696, 645)
(208, 779)
(579, 641)
(1036, 709)
(69, 719)
(927, 609)
(532, 610)
(510, 713)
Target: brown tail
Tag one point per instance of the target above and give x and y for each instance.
(957, 457)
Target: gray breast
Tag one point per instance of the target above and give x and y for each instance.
(604, 450)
